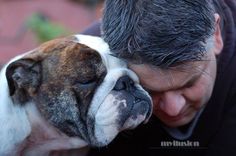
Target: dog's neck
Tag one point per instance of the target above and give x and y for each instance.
(26, 131)
(45, 138)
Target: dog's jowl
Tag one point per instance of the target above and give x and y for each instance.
(66, 94)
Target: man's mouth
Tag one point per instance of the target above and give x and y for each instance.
(182, 114)
(173, 118)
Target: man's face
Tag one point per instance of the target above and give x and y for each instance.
(178, 93)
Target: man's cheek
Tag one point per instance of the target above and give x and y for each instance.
(156, 99)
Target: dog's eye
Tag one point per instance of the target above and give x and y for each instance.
(86, 82)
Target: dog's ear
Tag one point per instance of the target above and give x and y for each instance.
(23, 76)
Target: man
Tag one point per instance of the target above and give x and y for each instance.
(184, 54)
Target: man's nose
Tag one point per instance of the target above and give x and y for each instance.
(172, 103)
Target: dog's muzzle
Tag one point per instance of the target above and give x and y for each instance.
(125, 107)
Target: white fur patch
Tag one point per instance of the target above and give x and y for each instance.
(105, 119)
(15, 126)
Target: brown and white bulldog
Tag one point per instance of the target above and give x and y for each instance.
(67, 94)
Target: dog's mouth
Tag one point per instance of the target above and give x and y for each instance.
(138, 114)
(121, 110)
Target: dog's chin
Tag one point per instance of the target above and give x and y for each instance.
(104, 134)
(116, 115)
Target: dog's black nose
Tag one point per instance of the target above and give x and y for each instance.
(124, 83)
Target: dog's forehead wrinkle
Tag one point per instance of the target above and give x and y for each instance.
(62, 47)
(69, 64)
(55, 45)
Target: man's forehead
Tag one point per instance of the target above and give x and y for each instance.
(157, 79)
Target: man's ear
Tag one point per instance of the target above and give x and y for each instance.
(23, 76)
(217, 35)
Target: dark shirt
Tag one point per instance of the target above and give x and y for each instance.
(215, 131)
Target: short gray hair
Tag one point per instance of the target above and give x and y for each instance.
(162, 33)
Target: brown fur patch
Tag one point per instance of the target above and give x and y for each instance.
(71, 72)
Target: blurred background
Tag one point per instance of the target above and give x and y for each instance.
(24, 24)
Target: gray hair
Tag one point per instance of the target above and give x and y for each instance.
(162, 33)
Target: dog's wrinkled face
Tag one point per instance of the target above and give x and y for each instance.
(80, 89)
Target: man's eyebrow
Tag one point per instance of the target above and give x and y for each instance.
(187, 83)
(190, 81)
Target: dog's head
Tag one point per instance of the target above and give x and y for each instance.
(79, 88)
